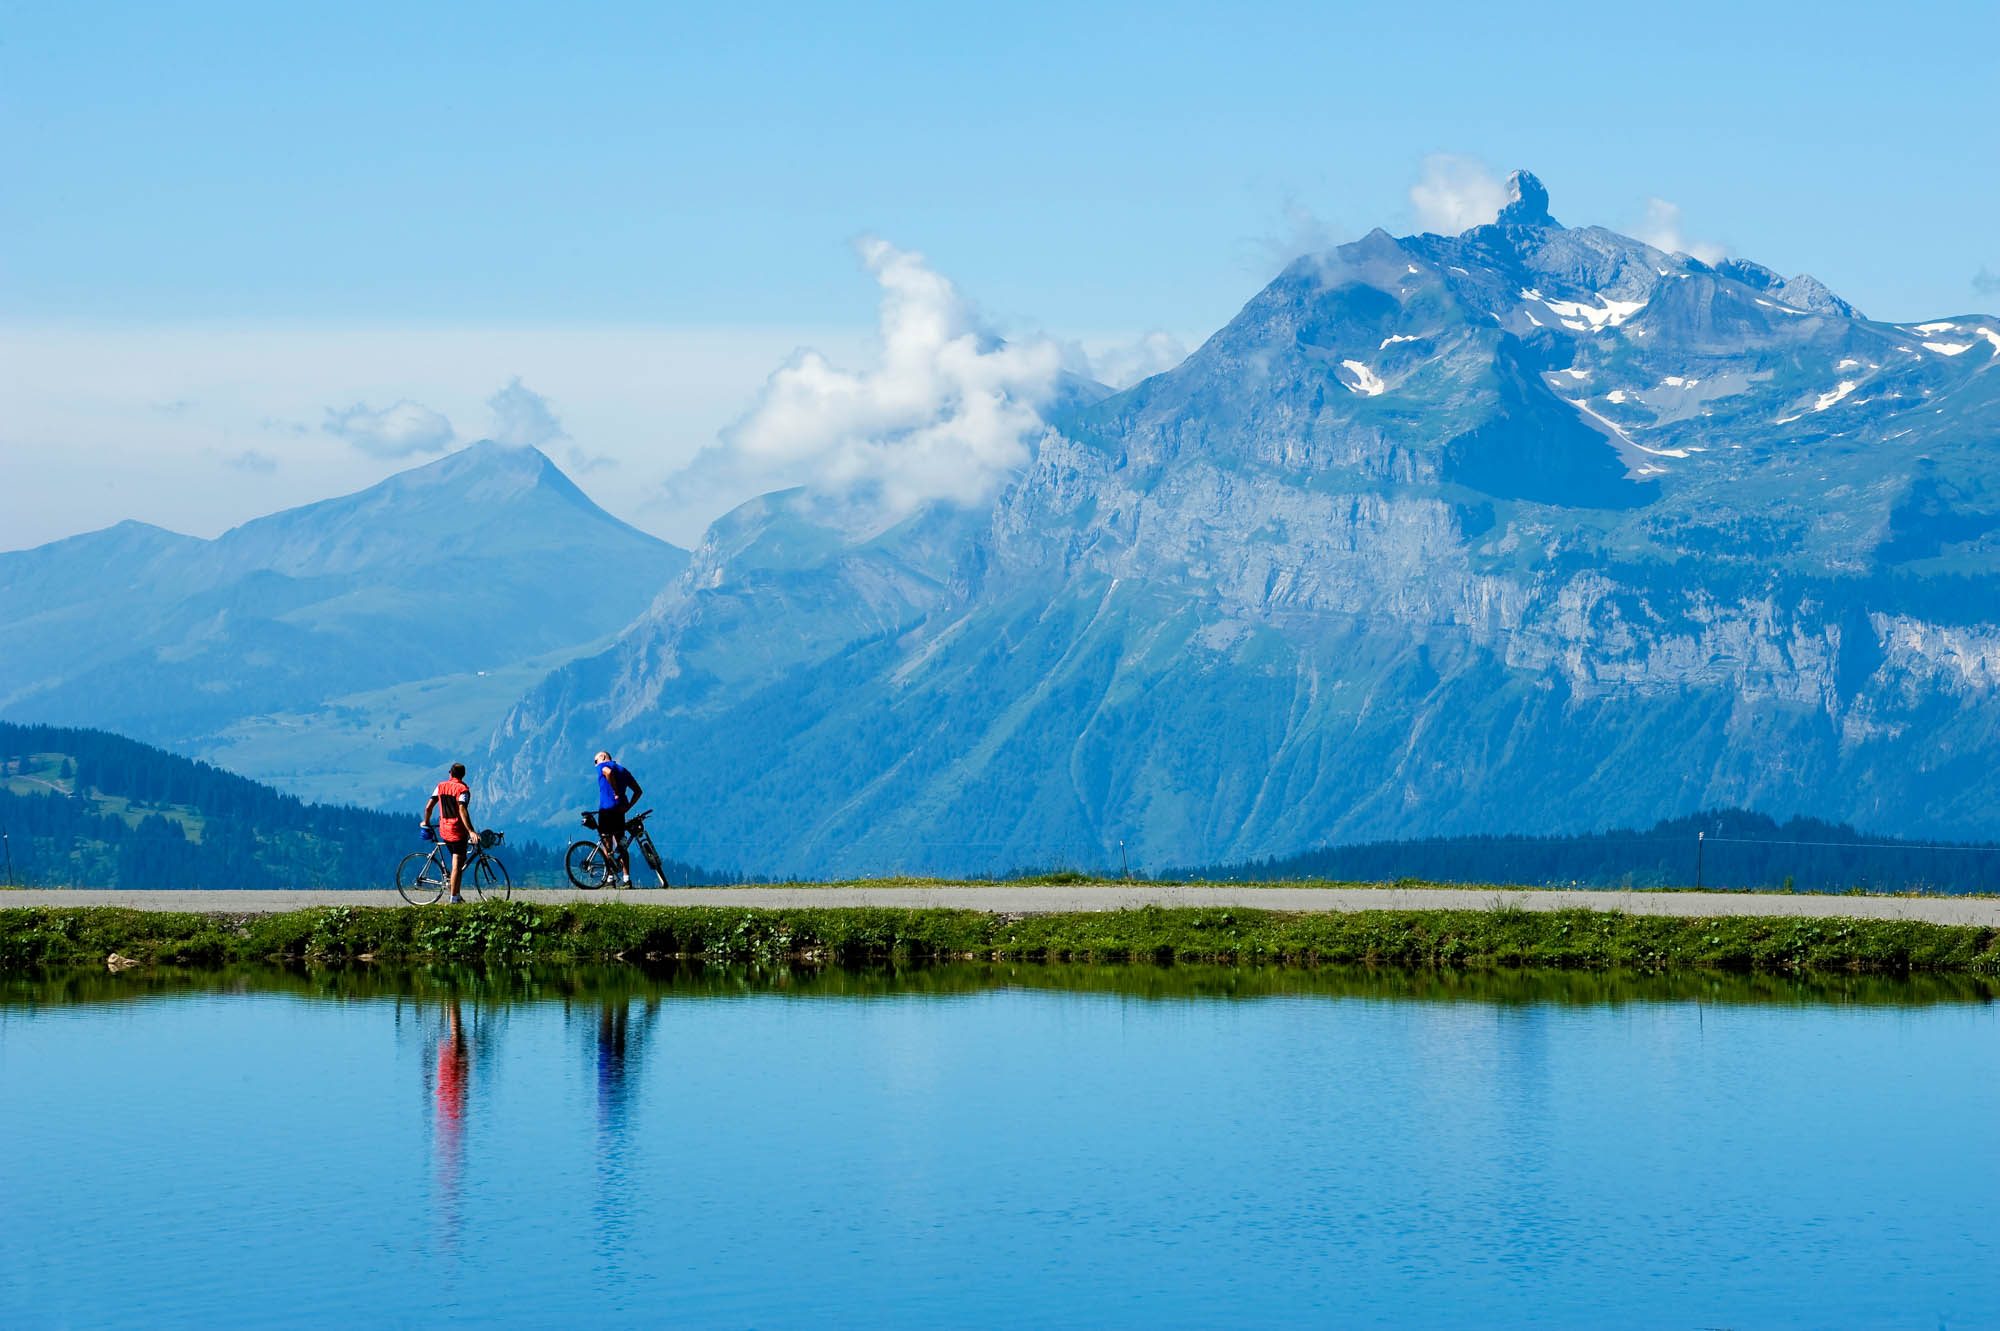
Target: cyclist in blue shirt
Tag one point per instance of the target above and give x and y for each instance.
(617, 791)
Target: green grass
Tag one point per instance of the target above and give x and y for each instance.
(48, 937)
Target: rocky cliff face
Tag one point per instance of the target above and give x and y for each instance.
(1532, 528)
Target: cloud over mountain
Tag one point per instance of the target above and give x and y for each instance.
(523, 417)
(1122, 364)
(251, 460)
(1663, 229)
(946, 412)
(398, 431)
(1456, 193)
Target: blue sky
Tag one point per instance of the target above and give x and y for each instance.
(391, 178)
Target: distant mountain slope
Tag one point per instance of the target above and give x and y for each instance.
(313, 646)
(89, 809)
(1532, 528)
(1738, 850)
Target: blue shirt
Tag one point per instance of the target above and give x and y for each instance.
(611, 782)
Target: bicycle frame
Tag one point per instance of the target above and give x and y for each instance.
(617, 853)
(422, 876)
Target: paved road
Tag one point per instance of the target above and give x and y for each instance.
(1043, 900)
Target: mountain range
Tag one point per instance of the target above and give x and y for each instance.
(1533, 528)
(1530, 529)
(345, 650)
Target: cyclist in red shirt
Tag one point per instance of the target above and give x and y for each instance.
(453, 802)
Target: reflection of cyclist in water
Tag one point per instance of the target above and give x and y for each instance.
(613, 1048)
(454, 1067)
(449, 1089)
(620, 1041)
(613, 1024)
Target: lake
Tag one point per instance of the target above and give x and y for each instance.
(989, 1146)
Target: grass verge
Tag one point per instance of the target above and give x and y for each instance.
(46, 937)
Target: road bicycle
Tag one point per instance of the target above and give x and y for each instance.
(588, 866)
(424, 875)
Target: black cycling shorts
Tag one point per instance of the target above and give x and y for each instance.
(611, 822)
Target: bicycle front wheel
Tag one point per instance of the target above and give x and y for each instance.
(653, 859)
(419, 878)
(587, 864)
(489, 878)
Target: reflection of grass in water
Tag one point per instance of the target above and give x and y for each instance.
(500, 986)
(1468, 940)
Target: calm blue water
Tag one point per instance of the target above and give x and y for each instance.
(727, 1155)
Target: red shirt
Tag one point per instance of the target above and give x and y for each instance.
(451, 793)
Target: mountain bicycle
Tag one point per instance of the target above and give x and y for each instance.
(423, 876)
(588, 866)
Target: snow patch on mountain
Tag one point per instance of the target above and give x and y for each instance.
(1618, 432)
(1367, 382)
(1581, 317)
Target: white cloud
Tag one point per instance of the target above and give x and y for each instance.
(398, 431)
(947, 412)
(252, 460)
(1662, 229)
(1298, 231)
(1456, 194)
(523, 417)
(1122, 364)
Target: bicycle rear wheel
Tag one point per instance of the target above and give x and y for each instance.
(652, 858)
(420, 879)
(489, 878)
(587, 865)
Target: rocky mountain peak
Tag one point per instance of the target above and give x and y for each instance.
(1528, 202)
(522, 466)
(1809, 293)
